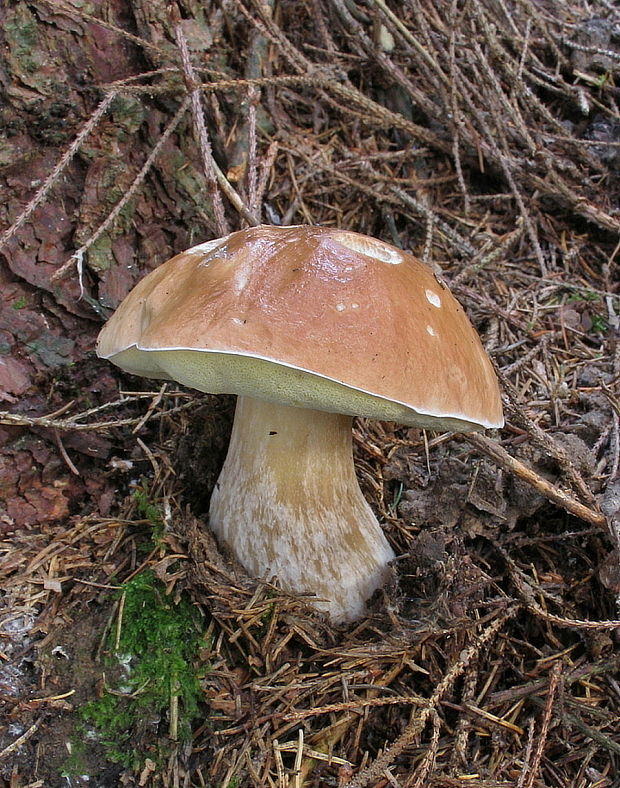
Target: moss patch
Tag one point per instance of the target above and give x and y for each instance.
(149, 511)
(151, 689)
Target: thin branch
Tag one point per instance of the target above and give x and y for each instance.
(509, 463)
(415, 727)
(53, 177)
(78, 256)
(201, 130)
(74, 425)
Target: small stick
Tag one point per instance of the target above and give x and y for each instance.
(19, 420)
(298, 759)
(500, 456)
(59, 6)
(119, 621)
(64, 454)
(173, 727)
(214, 174)
(526, 589)
(418, 723)
(199, 123)
(21, 739)
(279, 762)
(354, 705)
(597, 736)
(265, 170)
(428, 762)
(252, 170)
(151, 408)
(531, 770)
(57, 171)
(78, 256)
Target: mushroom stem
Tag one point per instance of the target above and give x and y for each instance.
(287, 503)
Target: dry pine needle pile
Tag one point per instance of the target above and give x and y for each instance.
(483, 136)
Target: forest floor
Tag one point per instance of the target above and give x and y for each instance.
(482, 136)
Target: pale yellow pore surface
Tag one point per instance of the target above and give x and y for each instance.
(287, 503)
(225, 373)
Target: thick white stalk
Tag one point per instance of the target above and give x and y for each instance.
(287, 503)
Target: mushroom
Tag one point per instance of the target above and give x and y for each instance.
(309, 326)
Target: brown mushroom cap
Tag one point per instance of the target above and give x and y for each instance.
(310, 317)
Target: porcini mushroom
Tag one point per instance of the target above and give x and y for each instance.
(309, 326)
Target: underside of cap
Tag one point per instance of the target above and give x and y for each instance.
(226, 373)
(309, 317)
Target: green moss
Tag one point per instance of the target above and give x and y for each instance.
(23, 40)
(128, 115)
(152, 656)
(100, 255)
(583, 295)
(20, 303)
(599, 325)
(53, 351)
(27, 62)
(147, 510)
(186, 177)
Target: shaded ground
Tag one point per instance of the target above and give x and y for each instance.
(485, 138)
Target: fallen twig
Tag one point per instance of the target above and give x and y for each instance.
(506, 461)
(65, 160)
(73, 425)
(78, 256)
(415, 727)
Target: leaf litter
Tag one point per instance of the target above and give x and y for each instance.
(483, 136)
